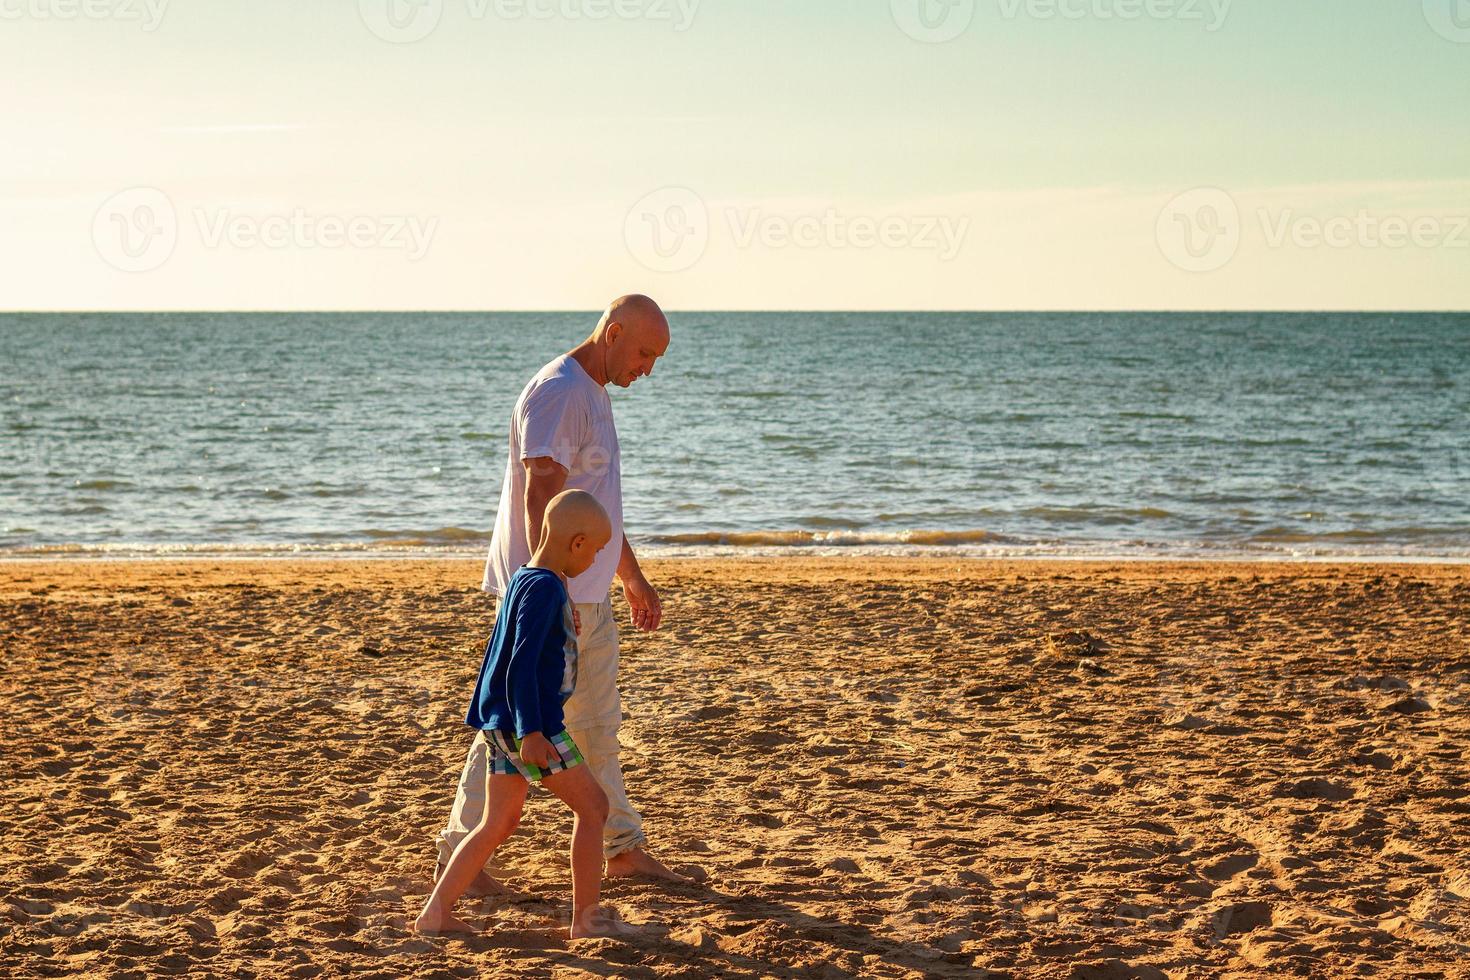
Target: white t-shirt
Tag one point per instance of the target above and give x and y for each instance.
(563, 414)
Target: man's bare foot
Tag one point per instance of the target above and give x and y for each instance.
(486, 885)
(638, 863)
(601, 922)
(430, 922)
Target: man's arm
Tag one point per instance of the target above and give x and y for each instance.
(643, 600)
(545, 478)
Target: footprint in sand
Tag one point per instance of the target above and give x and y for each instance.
(1409, 706)
(1315, 788)
(1228, 867)
(1116, 970)
(1240, 917)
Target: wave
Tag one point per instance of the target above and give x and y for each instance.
(1097, 513)
(437, 536)
(102, 485)
(980, 544)
(387, 548)
(757, 539)
(462, 544)
(1283, 535)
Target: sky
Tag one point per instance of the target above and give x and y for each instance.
(735, 154)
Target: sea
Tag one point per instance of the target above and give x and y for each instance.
(1128, 435)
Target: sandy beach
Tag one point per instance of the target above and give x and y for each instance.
(875, 767)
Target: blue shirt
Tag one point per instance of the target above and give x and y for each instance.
(530, 665)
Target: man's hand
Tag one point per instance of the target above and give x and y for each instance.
(643, 600)
(536, 751)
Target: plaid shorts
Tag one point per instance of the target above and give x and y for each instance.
(505, 756)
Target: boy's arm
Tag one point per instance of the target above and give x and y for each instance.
(536, 612)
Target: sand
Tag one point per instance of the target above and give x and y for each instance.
(878, 767)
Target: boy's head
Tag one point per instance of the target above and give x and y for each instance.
(576, 529)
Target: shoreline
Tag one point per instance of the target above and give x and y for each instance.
(284, 554)
(288, 573)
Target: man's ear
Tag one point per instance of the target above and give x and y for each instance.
(613, 332)
(579, 541)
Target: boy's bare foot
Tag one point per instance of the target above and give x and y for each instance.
(432, 923)
(638, 863)
(602, 922)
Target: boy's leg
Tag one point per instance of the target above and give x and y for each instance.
(577, 788)
(469, 801)
(505, 796)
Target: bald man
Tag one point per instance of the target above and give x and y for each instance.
(562, 437)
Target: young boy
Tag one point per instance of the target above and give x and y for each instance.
(529, 671)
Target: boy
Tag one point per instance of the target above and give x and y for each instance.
(529, 671)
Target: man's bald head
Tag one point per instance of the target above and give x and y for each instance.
(635, 311)
(633, 333)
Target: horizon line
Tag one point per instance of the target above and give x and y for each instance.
(1304, 311)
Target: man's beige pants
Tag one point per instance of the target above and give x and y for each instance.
(594, 713)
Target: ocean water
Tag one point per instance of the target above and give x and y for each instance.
(1228, 435)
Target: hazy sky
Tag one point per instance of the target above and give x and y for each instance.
(728, 154)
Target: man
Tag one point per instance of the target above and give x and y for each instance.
(562, 437)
